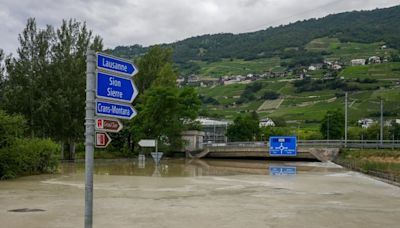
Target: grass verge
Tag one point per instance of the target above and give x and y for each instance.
(383, 163)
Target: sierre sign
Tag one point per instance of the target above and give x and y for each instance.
(115, 88)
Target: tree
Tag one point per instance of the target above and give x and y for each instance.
(270, 95)
(244, 128)
(68, 80)
(164, 110)
(164, 113)
(395, 130)
(332, 125)
(48, 75)
(155, 67)
(2, 76)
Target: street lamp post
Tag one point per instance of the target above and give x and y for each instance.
(327, 129)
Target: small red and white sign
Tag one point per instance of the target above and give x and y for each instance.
(109, 125)
(102, 140)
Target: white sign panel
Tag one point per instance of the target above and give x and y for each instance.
(147, 143)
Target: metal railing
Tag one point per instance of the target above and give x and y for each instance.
(377, 144)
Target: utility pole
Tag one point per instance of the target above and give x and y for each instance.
(345, 121)
(89, 136)
(381, 139)
(327, 130)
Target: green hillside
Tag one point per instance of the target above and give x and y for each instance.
(308, 108)
(376, 26)
(292, 49)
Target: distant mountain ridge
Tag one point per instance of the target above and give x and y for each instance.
(356, 26)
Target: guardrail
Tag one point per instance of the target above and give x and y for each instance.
(318, 143)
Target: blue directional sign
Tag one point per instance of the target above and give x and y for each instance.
(117, 65)
(282, 171)
(282, 146)
(111, 109)
(115, 88)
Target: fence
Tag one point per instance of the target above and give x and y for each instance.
(370, 144)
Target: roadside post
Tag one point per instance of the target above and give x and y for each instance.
(109, 94)
(152, 143)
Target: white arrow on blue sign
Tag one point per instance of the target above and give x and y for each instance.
(115, 88)
(116, 110)
(117, 65)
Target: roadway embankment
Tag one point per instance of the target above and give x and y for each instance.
(381, 163)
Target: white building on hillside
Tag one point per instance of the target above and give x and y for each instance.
(267, 122)
(357, 62)
(374, 59)
(365, 123)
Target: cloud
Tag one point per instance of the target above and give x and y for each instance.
(146, 22)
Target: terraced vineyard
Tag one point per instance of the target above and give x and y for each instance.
(308, 108)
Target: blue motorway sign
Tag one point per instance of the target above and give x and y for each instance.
(115, 88)
(282, 146)
(117, 65)
(282, 171)
(111, 109)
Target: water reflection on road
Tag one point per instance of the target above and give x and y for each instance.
(202, 193)
(196, 167)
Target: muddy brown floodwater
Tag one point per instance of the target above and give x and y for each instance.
(202, 193)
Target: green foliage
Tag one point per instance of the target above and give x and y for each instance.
(11, 128)
(376, 162)
(208, 100)
(279, 122)
(28, 156)
(275, 131)
(46, 81)
(163, 112)
(395, 131)
(155, 68)
(308, 84)
(248, 93)
(270, 95)
(333, 125)
(244, 128)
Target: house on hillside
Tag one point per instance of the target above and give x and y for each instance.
(374, 59)
(365, 123)
(357, 62)
(315, 66)
(267, 122)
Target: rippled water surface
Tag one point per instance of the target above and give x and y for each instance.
(202, 193)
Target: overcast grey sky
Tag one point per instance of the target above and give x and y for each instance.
(146, 22)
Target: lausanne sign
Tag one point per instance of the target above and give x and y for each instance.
(116, 65)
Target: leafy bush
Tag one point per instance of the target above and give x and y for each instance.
(29, 156)
(11, 127)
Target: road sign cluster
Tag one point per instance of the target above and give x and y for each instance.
(115, 91)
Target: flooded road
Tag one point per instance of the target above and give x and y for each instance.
(202, 193)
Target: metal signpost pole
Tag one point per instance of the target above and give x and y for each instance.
(89, 136)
